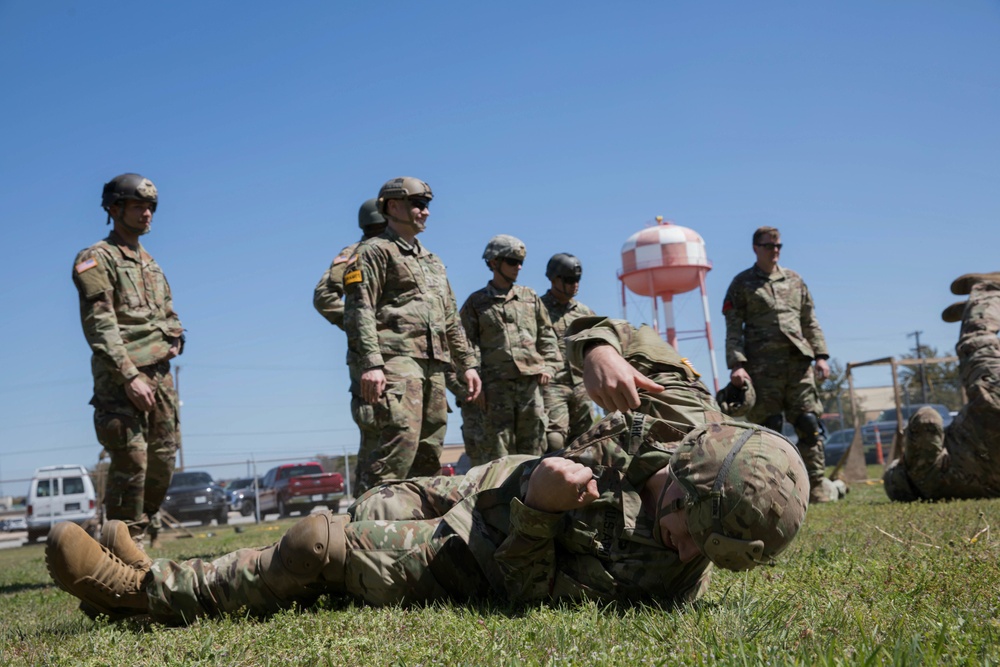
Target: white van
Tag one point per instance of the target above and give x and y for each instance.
(59, 493)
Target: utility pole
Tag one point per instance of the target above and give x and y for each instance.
(177, 389)
(923, 375)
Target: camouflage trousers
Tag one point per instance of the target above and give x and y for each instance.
(514, 421)
(142, 446)
(400, 550)
(402, 434)
(964, 460)
(474, 433)
(569, 411)
(784, 384)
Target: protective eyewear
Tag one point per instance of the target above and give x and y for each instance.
(419, 203)
(513, 261)
(769, 246)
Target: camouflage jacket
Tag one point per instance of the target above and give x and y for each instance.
(605, 550)
(510, 333)
(770, 313)
(125, 306)
(328, 297)
(399, 303)
(562, 315)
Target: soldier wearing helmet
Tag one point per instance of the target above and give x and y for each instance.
(403, 329)
(129, 322)
(512, 336)
(328, 300)
(640, 508)
(567, 406)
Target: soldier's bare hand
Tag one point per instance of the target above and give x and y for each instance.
(372, 385)
(739, 377)
(473, 384)
(140, 393)
(544, 378)
(559, 485)
(175, 349)
(611, 381)
(822, 369)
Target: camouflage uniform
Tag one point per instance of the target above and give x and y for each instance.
(328, 301)
(472, 535)
(400, 315)
(771, 328)
(129, 321)
(473, 435)
(513, 339)
(962, 460)
(567, 405)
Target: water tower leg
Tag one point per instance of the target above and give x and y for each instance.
(708, 328)
(668, 316)
(624, 312)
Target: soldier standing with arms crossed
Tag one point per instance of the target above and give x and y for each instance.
(772, 338)
(402, 320)
(510, 331)
(328, 301)
(567, 405)
(130, 324)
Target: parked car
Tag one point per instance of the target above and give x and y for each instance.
(59, 493)
(194, 496)
(299, 487)
(836, 444)
(242, 495)
(13, 525)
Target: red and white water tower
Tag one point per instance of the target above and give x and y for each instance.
(664, 260)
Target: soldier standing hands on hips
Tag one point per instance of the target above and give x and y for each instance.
(772, 338)
(402, 321)
(130, 324)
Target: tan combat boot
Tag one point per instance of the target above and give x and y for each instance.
(116, 538)
(94, 574)
(963, 284)
(954, 312)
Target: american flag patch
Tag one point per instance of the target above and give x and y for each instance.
(339, 259)
(353, 259)
(86, 264)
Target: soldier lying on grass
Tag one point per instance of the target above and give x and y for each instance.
(960, 461)
(638, 508)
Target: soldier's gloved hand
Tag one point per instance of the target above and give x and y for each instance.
(558, 485)
(473, 384)
(140, 393)
(611, 381)
(372, 385)
(822, 369)
(739, 377)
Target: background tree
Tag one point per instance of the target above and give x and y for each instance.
(943, 383)
(838, 412)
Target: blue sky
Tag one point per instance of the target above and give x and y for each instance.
(866, 131)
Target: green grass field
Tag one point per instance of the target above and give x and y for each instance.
(866, 582)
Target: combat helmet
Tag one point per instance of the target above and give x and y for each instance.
(898, 485)
(368, 215)
(737, 401)
(403, 187)
(128, 186)
(505, 245)
(746, 491)
(563, 265)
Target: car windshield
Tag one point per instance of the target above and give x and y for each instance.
(241, 483)
(190, 479)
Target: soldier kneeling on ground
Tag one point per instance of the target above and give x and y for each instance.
(962, 460)
(638, 508)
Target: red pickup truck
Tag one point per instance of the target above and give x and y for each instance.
(299, 487)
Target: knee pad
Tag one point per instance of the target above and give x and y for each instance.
(314, 550)
(809, 427)
(775, 422)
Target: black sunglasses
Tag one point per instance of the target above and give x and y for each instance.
(570, 279)
(419, 203)
(513, 261)
(769, 246)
